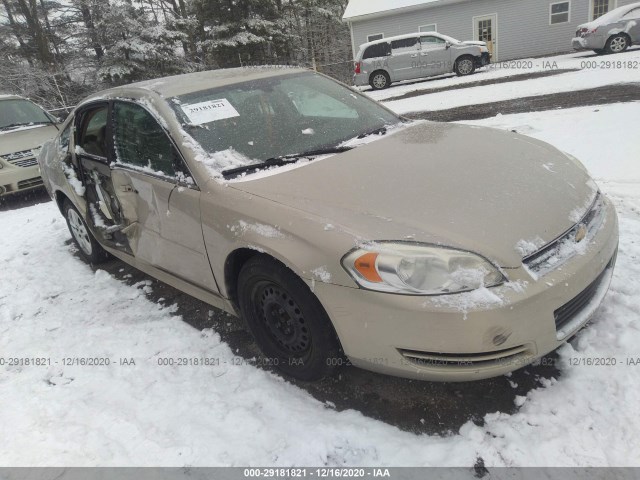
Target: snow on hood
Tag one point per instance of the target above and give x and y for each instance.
(424, 184)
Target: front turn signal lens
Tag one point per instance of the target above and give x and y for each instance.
(365, 265)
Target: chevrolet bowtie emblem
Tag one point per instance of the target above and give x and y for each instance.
(581, 233)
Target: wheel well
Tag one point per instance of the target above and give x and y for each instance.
(232, 267)
(463, 56)
(60, 199)
(621, 33)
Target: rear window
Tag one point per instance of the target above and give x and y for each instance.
(377, 50)
(405, 45)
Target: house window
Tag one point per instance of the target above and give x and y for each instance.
(428, 28)
(600, 7)
(375, 36)
(559, 12)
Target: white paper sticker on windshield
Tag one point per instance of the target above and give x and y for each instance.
(210, 111)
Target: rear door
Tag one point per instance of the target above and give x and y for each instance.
(404, 62)
(159, 202)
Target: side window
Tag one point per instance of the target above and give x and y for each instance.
(93, 137)
(633, 14)
(431, 41)
(378, 50)
(405, 45)
(140, 141)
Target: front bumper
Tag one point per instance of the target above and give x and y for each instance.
(485, 59)
(461, 337)
(14, 179)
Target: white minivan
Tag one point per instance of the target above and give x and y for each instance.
(416, 55)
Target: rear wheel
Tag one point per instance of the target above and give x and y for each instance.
(379, 80)
(617, 43)
(464, 66)
(287, 321)
(90, 249)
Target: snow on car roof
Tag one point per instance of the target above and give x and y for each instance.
(613, 15)
(361, 8)
(9, 97)
(410, 35)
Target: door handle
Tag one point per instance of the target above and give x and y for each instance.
(424, 54)
(414, 55)
(127, 189)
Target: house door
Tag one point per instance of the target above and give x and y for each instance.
(485, 29)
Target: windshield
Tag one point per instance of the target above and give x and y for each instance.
(18, 112)
(278, 116)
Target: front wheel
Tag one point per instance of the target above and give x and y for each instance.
(465, 66)
(617, 44)
(90, 249)
(287, 320)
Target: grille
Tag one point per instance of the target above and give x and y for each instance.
(24, 162)
(469, 360)
(32, 182)
(563, 248)
(25, 158)
(572, 309)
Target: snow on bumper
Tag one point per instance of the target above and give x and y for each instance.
(474, 335)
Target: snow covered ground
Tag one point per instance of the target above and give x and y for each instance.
(594, 72)
(55, 307)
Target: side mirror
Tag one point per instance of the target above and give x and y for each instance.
(447, 45)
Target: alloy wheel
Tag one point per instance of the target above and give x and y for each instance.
(79, 231)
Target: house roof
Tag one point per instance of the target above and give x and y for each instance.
(369, 8)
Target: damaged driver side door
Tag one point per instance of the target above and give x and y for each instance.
(159, 200)
(143, 200)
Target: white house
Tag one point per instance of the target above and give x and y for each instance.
(511, 28)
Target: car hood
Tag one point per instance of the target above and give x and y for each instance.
(474, 42)
(474, 188)
(26, 138)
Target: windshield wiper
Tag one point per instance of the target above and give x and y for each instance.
(16, 125)
(284, 160)
(377, 131)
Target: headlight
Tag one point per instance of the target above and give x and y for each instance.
(418, 269)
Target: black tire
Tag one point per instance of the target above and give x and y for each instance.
(90, 250)
(465, 65)
(379, 80)
(287, 320)
(617, 43)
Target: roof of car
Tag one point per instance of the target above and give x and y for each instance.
(10, 97)
(406, 35)
(193, 82)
